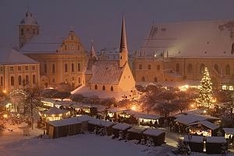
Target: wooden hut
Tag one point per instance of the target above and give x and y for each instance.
(100, 126)
(120, 130)
(156, 135)
(196, 143)
(135, 133)
(204, 128)
(215, 145)
(66, 127)
(54, 113)
(147, 119)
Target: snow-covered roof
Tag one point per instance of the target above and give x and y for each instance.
(229, 130)
(190, 39)
(191, 118)
(70, 121)
(106, 72)
(121, 126)
(147, 116)
(206, 124)
(28, 20)
(193, 138)
(216, 139)
(136, 129)
(85, 91)
(42, 44)
(11, 56)
(100, 122)
(153, 132)
(54, 110)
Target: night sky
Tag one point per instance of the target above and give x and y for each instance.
(100, 20)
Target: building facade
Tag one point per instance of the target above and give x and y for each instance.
(62, 59)
(176, 52)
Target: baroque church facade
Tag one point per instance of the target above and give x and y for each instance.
(176, 52)
(62, 59)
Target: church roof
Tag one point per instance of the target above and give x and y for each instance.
(11, 56)
(190, 39)
(106, 72)
(28, 20)
(42, 44)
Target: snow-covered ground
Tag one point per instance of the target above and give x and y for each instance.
(13, 143)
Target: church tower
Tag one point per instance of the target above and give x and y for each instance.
(123, 50)
(28, 28)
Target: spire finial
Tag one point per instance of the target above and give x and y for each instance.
(71, 28)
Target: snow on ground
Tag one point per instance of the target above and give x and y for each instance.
(13, 143)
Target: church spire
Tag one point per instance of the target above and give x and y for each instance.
(93, 54)
(123, 50)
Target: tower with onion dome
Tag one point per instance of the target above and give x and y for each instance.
(28, 28)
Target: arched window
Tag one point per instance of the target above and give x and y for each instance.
(216, 67)
(227, 69)
(65, 67)
(177, 68)
(20, 80)
(27, 79)
(34, 79)
(45, 68)
(78, 66)
(155, 79)
(202, 68)
(103, 88)
(112, 89)
(1, 81)
(232, 50)
(12, 81)
(53, 68)
(143, 79)
(190, 68)
(96, 87)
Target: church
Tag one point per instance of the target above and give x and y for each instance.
(110, 76)
(62, 58)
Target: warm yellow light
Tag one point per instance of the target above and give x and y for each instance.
(5, 115)
(184, 87)
(4, 91)
(192, 106)
(204, 111)
(133, 107)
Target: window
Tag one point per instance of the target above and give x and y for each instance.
(65, 47)
(216, 67)
(11, 68)
(53, 68)
(112, 89)
(33, 67)
(20, 80)
(79, 80)
(19, 68)
(34, 79)
(12, 81)
(143, 79)
(21, 31)
(103, 88)
(202, 68)
(65, 67)
(1, 68)
(227, 69)
(27, 79)
(158, 67)
(1, 81)
(45, 68)
(155, 79)
(177, 68)
(232, 50)
(72, 67)
(95, 87)
(78, 66)
(190, 68)
(140, 66)
(26, 67)
(149, 66)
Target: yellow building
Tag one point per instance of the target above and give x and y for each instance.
(176, 52)
(62, 59)
(17, 70)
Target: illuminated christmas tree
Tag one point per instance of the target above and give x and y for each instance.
(205, 90)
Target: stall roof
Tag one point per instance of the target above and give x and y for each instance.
(54, 110)
(121, 126)
(147, 116)
(136, 129)
(100, 122)
(153, 132)
(216, 140)
(193, 138)
(229, 130)
(206, 124)
(191, 118)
